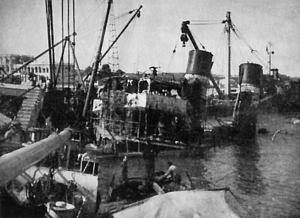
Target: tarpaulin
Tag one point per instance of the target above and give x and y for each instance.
(187, 204)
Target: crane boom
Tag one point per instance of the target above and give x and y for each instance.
(186, 30)
(187, 34)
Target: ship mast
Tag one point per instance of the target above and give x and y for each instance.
(227, 77)
(101, 56)
(49, 16)
(97, 62)
(270, 52)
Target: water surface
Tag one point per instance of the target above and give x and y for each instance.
(263, 176)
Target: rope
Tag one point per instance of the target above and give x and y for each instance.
(87, 18)
(124, 14)
(173, 54)
(239, 49)
(221, 41)
(239, 35)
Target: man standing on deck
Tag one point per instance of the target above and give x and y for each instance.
(149, 154)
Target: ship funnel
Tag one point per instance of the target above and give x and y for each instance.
(250, 73)
(250, 77)
(200, 62)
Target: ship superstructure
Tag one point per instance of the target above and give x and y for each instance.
(133, 108)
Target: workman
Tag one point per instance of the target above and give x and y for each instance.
(170, 174)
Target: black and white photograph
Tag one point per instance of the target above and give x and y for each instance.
(149, 109)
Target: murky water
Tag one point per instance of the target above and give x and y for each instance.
(264, 176)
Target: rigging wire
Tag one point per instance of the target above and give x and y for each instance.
(203, 47)
(173, 53)
(95, 49)
(239, 35)
(137, 50)
(83, 27)
(205, 22)
(89, 30)
(101, 25)
(88, 27)
(87, 18)
(131, 31)
(234, 29)
(237, 44)
(88, 34)
(221, 40)
(233, 69)
(241, 54)
(222, 59)
(124, 14)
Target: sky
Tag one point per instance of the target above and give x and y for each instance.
(151, 39)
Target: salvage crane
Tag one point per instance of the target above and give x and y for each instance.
(185, 36)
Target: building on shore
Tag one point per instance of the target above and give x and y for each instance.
(66, 77)
(8, 61)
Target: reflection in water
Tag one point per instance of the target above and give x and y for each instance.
(248, 179)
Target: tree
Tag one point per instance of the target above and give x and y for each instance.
(88, 70)
(105, 71)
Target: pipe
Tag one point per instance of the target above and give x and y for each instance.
(16, 162)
